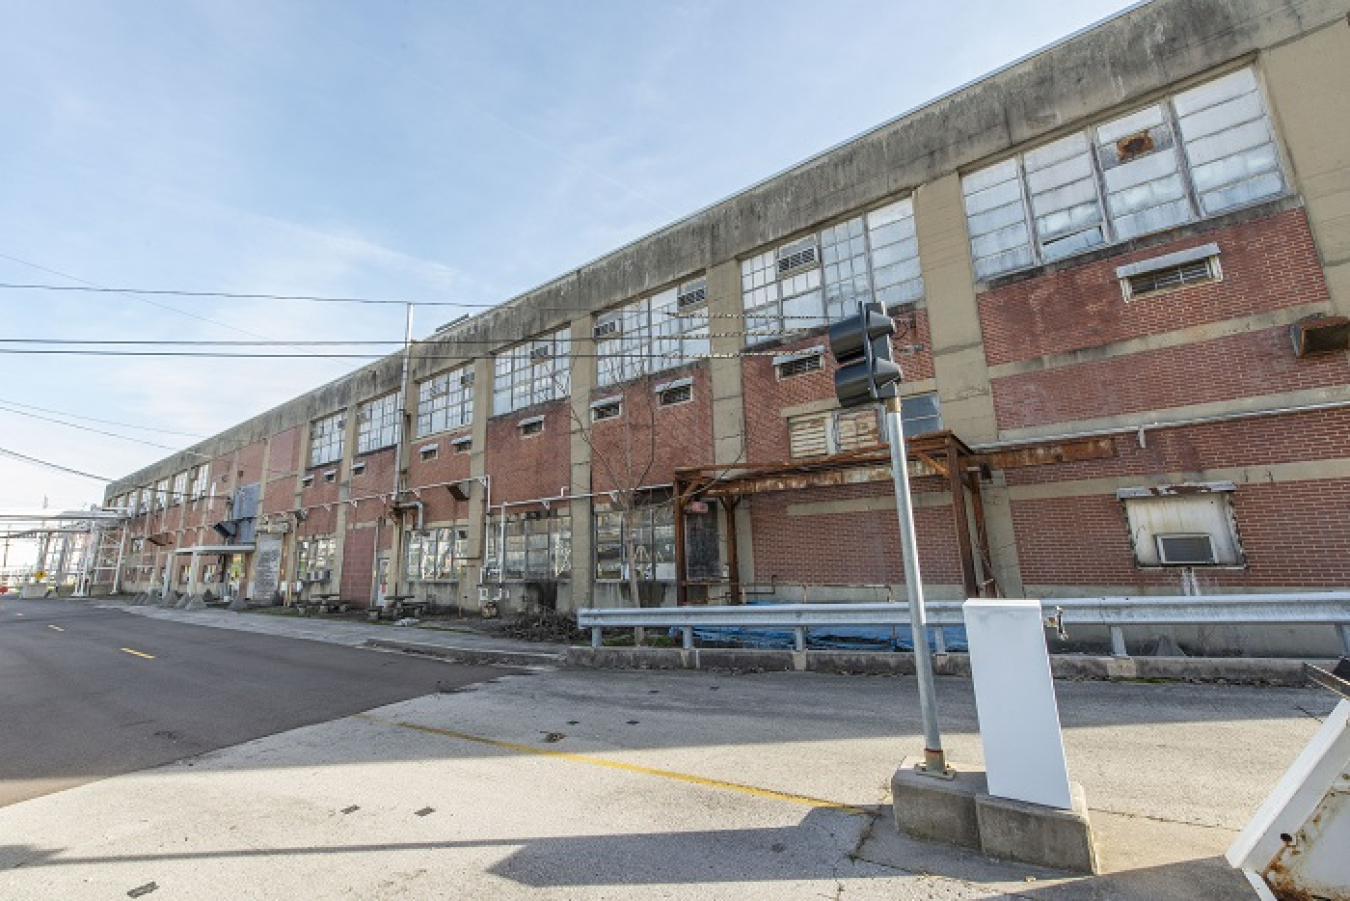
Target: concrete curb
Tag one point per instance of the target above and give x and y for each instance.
(1260, 670)
(475, 656)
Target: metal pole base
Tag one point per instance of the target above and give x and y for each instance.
(935, 765)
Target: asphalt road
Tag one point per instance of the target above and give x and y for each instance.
(88, 693)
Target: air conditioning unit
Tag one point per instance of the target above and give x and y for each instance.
(607, 329)
(1186, 549)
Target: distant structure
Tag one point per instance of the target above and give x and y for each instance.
(1121, 274)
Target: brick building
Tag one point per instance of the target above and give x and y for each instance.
(1120, 271)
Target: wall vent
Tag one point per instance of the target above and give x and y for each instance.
(692, 294)
(795, 257)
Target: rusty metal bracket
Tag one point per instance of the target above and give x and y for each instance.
(1056, 621)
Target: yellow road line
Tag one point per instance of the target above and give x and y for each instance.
(624, 767)
(57, 628)
(139, 654)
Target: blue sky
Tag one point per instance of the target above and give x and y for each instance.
(430, 151)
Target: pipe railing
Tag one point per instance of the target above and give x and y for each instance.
(1323, 608)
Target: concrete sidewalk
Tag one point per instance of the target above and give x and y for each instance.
(458, 642)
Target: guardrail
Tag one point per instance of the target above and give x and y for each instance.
(1323, 608)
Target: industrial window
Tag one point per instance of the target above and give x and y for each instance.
(1183, 525)
(429, 451)
(656, 333)
(462, 445)
(532, 373)
(648, 529)
(314, 558)
(358, 467)
(445, 401)
(180, 488)
(537, 545)
(672, 393)
(198, 482)
(606, 409)
(821, 278)
(436, 555)
(307, 480)
(330, 475)
(919, 414)
(161, 494)
(377, 423)
(532, 426)
(1199, 153)
(326, 439)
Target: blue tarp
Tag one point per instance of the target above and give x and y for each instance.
(828, 638)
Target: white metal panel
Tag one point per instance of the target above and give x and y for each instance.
(1015, 699)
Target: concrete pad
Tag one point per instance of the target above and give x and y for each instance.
(1036, 834)
(935, 808)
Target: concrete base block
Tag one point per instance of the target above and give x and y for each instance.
(937, 809)
(960, 811)
(1033, 833)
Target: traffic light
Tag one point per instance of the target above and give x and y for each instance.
(861, 345)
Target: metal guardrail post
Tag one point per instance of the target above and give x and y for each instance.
(595, 637)
(687, 636)
(1344, 630)
(1118, 642)
(799, 638)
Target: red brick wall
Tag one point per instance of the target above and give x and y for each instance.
(1257, 442)
(370, 487)
(859, 548)
(534, 466)
(1293, 534)
(446, 466)
(1268, 264)
(646, 442)
(1223, 369)
(283, 459)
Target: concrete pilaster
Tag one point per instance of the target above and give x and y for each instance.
(728, 396)
(1306, 80)
(584, 375)
(472, 578)
(965, 396)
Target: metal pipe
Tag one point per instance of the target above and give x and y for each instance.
(935, 760)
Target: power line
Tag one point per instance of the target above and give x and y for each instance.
(85, 428)
(229, 295)
(143, 428)
(34, 460)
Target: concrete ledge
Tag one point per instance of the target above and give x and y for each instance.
(1264, 670)
(475, 656)
(934, 809)
(960, 811)
(1033, 833)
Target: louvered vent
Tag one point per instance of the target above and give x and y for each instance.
(795, 257)
(692, 294)
(800, 366)
(1172, 277)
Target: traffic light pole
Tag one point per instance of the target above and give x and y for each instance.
(935, 759)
